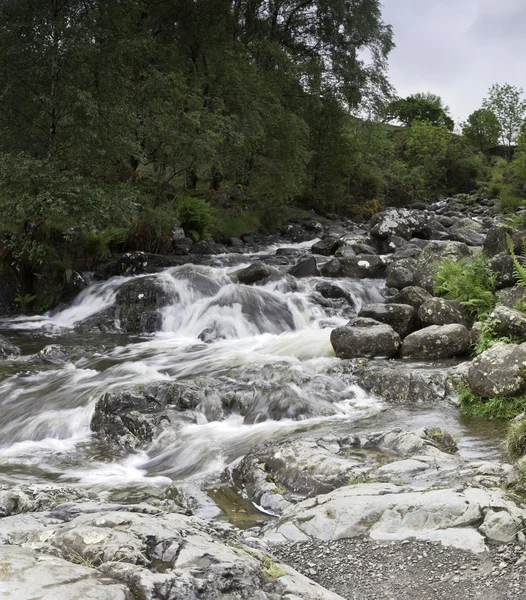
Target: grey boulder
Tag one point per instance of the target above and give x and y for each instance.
(499, 371)
(437, 341)
(365, 338)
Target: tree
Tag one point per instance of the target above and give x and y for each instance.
(482, 129)
(508, 106)
(420, 107)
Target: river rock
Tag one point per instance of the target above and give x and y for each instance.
(503, 268)
(389, 512)
(28, 498)
(365, 338)
(513, 297)
(499, 371)
(496, 241)
(437, 341)
(327, 246)
(412, 295)
(438, 311)
(401, 317)
(253, 273)
(431, 257)
(7, 349)
(400, 274)
(305, 268)
(54, 354)
(402, 384)
(330, 290)
(467, 236)
(401, 222)
(507, 322)
(132, 417)
(361, 267)
(466, 224)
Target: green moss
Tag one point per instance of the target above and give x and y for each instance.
(490, 408)
(271, 569)
(442, 440)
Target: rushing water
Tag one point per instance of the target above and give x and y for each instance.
(270, 343)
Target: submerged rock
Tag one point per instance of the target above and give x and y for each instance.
(7, 349)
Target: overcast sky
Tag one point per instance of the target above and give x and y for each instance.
(457, 48)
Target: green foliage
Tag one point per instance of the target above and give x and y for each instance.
(482, 129)
(506, 103)
(24, 300)
(489, 408)
(519, 263)
(195, 216)
(427, 108)
(470, 281)
(509, 200)
(516, 439)
(488, 338)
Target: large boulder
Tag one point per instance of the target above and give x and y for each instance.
(400, 384)
(305, 268)
(499, 371)
(360, 267)
(467, 236)
(254, 273)
(513, 297)
(327, 246)
(439, 311)
(401, 222)
(431, 257)
(401, 317)
(137, 308)
(437, 341)
(400, 273)
(7, 349)
(507, 322)
(503, 268)
(412, 295)
(132, 417)
(365, 338)
(496, 241)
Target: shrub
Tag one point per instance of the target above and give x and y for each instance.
(519, 264)
(470, 281)
(195, 216)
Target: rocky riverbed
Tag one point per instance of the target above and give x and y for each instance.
(268, 421)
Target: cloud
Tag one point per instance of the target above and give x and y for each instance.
(457, 48)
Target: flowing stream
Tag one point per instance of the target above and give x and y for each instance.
(270, 343)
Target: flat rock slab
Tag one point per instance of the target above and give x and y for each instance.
(28, 575)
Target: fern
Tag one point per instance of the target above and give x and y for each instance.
(470, 281)
(519, 265)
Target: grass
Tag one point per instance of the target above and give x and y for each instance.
(271, 569)
(490, 408)
(516, 439)
(489, 338)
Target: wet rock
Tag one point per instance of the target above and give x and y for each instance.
(499, 371)
(365, 338)
(327, 246)
(7, 349)
(438, 311)
(277, 474)
(27, 574)
(136, 309)
(504, 269)
(436, 342)
(131, 418)
(401, 317)
(253, 273)
(134, 263)
(330, 290)
(496, 240)
(400, 274)
(29, 498)
(362, 248)
(510, 323)
(208, 247)
(182, 246)
(405, 385)
(54, 354)
(305, 268)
